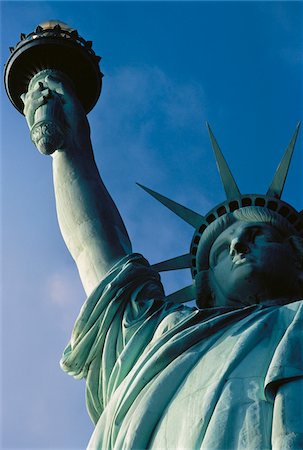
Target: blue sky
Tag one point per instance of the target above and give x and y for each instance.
(169, 67)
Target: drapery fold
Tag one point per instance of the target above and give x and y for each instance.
(161, 375)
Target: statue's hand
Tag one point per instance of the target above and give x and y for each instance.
(54, 115)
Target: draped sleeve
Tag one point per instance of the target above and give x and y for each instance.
(115, 325)
(160, 375)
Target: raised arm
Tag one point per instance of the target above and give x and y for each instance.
(89, 221)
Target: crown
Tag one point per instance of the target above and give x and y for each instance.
(234, 201)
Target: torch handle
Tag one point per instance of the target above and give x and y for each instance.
(47, 132)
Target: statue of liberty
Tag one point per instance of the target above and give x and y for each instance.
(226, 375)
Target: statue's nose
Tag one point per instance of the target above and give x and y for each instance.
(238, 247)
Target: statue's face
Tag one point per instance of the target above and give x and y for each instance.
(251, 262)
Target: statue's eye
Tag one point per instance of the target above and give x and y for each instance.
(255, 233)
(266, 235)
(274, 236)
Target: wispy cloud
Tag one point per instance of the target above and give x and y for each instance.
(292, 55)
(283, 18)
(146, 90)
(64, 294)
(139, 101)
(61, 288)
(147, 117)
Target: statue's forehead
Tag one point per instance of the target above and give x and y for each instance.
(239, 227)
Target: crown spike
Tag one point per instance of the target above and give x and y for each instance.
(229, 184)
(183, 295)
(179, 262)
(189, 216)
(277, 184)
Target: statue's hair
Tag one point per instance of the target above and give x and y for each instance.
(246, 214)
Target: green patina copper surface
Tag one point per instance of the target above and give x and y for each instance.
(159, 374)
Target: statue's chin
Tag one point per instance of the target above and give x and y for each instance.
(261, 293)
(250, 286)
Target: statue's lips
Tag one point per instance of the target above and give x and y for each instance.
(241, 260)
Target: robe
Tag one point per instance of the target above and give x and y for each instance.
(166, 376)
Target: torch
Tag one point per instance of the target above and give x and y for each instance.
(53, 47)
